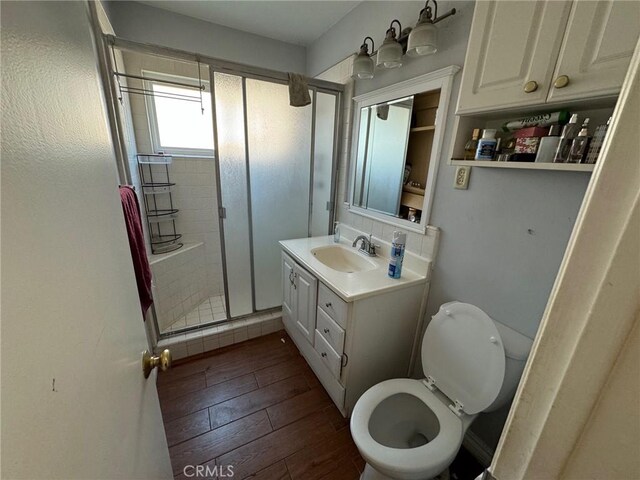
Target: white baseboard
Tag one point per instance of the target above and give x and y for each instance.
(476, 447)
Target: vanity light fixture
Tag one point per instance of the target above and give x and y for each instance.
(423, 39)
(390, 53)
(363, 64)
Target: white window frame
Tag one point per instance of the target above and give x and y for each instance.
(153, 118)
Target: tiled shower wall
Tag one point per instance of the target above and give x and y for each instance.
(195, 193)
(416, 243)
(178, 283)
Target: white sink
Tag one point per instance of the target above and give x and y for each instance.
(343, 259)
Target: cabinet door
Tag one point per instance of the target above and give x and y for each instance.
(306, 293)
(597, 48)
(288, 297)
(511, 44)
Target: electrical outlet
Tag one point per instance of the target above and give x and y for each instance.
(461, 180)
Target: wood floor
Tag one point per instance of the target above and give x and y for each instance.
(258, 407)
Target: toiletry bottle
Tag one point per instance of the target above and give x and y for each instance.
(486, 145)
(549, 145)
(569, 132)
(541, 120)
(580, 144)
(397, 254)
(596, 142)
(472, 145)
(336, 232)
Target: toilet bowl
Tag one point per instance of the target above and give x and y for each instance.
(409, 429)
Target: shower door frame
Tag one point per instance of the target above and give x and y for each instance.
(243, 71)
(337, 143)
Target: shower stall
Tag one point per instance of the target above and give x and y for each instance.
(270, 175)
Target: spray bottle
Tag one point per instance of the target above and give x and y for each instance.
(397, 254)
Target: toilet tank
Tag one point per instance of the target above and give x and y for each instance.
(517, 348)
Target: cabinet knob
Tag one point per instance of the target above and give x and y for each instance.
(323, 354)
(561, 82)
(530, 86)
(328, 305)
(326, 330)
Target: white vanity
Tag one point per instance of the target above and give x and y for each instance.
(354, 325)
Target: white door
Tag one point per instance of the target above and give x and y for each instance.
(74, 401)
(306, 292)
(288, 297)
(510, 45)
(597, 49)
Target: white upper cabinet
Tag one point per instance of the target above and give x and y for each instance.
(518, 50)
(511, 54)
(596, 50)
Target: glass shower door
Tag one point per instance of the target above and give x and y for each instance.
(279, 147)
(326, 107)
(276, 170)
(232, 161)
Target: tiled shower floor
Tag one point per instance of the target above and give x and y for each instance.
(211, 310)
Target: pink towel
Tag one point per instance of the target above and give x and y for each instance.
(132, 219)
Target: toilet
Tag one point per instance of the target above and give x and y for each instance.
(409, 429)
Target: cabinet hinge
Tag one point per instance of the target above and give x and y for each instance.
(329, 206)
(222, 212)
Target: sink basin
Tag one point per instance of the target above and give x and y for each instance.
(343, 259)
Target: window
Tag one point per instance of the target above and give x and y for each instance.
(180, 126)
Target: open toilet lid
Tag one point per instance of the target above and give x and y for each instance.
(462, 351)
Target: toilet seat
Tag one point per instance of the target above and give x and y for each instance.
(425, 461)
(463, 356)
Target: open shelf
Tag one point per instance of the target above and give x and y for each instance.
(598, 113)
(427, 128)
(561, 167)
(410, 189)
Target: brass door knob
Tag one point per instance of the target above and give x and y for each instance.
(149, 362)
(531, 86)
(561, 82)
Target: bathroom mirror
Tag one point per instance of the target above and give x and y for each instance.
(380, 160)
(397, 139)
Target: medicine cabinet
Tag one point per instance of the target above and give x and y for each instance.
(397, 141)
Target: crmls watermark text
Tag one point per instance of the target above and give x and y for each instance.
(201, 471)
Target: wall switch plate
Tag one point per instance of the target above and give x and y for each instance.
(461, 180)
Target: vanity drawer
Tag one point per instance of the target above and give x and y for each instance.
(329, 357)
(333, 305)
(331, 331)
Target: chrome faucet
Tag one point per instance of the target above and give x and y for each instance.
(367, 247)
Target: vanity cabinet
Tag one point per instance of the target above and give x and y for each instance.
(299, 297)
(350, 345)
(530, 53)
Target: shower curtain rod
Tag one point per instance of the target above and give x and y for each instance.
(215, 63)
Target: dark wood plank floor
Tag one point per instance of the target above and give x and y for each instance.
(258, 407)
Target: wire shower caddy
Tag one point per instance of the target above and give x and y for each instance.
(158, 202)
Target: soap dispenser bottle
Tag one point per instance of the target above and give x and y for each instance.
(336, 232)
